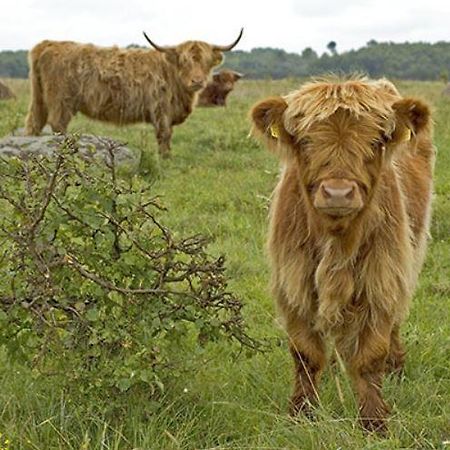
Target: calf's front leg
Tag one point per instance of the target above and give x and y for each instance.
(308, 351)
(397, 353)
(367, 366)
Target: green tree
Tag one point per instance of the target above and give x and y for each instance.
(331, 46)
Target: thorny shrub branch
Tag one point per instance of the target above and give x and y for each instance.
(93, 283)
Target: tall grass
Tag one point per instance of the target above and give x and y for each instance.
(219, 183)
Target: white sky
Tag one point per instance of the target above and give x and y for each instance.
(288, 24)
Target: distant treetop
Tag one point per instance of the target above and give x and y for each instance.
(415, 61)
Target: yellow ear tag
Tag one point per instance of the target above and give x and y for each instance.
(275, 131)
(408, 135)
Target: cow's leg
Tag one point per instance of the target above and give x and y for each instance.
(397, 353)
(163, 136)
(308, 351)
(59, 117)
(36, 119)
(37, 113)
(367, 365)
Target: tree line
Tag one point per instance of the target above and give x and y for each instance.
(415, 61)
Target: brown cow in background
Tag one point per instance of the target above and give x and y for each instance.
(348, 228)
(117, 85)
(5, 92)
(217, 90)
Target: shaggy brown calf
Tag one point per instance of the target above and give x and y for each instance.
(217, 90)
(348, 227)
(117, 85)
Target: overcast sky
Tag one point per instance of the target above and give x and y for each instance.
(288, 24)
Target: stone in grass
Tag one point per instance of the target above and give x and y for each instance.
(88, 145)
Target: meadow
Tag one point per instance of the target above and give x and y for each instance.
(218, 183)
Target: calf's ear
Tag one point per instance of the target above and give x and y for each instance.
(267, 118)
(412, 116)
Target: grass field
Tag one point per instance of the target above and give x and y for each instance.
(218, 183)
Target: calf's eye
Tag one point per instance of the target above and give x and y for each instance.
(303, 142)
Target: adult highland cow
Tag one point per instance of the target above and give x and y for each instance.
(117, 85)
(348, 228)
(217, 90)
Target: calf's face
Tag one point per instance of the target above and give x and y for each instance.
(340, 159)
(340, 156)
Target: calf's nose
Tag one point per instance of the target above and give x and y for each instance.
(338, 192)
(338, 196)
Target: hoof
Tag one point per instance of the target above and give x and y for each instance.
(300, 405)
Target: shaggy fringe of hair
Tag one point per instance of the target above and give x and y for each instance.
(319, 99)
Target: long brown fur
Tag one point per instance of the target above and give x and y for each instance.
(349, 279)
(116, 85)
(217, 90)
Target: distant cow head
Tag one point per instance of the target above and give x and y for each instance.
(340, 135)
(226, 79)
(195, 60)
(224, 83)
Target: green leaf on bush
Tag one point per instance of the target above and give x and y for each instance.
(92, 314)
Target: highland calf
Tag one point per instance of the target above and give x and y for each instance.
(348, 227)
(117, 85)
(217, 90)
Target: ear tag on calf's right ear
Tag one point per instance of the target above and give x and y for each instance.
(408, 135)
(275, 131)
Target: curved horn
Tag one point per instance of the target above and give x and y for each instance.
(157, 47)
(227, 48)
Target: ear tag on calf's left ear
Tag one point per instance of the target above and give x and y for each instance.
(275, 131)
(406, 136)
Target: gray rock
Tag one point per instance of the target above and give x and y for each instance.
(88, 145)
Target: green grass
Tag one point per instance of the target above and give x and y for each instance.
(218, 183)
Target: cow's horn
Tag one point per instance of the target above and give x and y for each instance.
(226, 48)
(157, 47)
